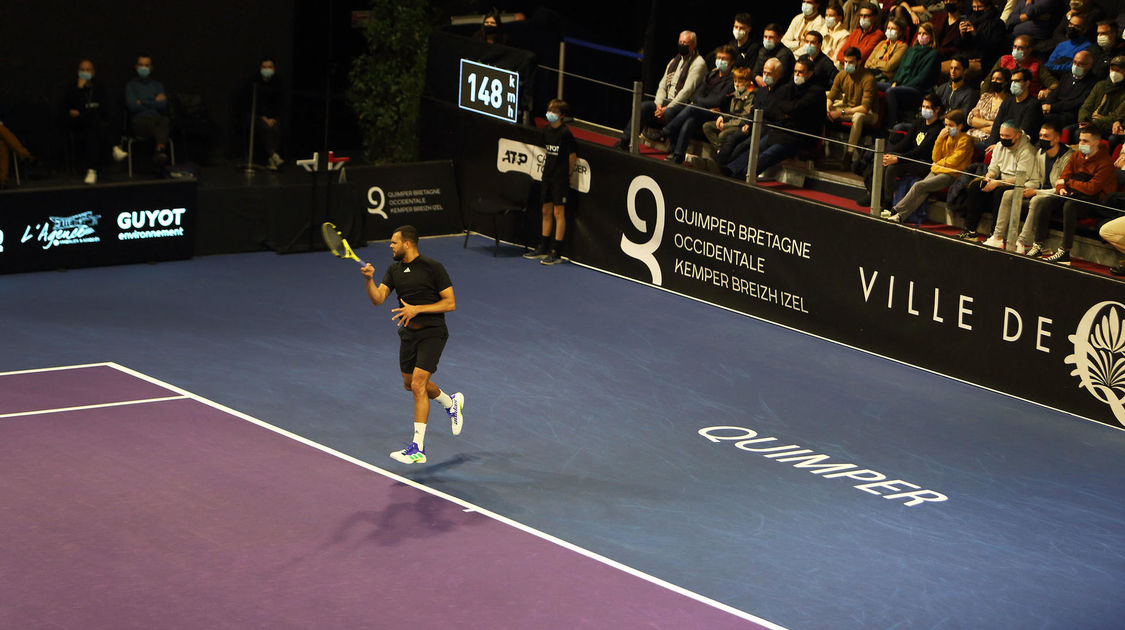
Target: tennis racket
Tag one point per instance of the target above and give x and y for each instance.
(338, 244)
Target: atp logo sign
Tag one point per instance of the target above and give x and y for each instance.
(1099, 355)
(645, 252)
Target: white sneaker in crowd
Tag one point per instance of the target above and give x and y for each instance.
(91, 176)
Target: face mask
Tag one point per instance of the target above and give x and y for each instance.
(768, 80)
(1077, 71)
(923, 40)
(1103, 41)
(552, 117)
(798, 79)
(490, 29)
(1007, 142)
(849, 68)
(1073, 33)
(1045, 145)
(865, 23)
(721, 65)
(831, 21)
(1085, 149)
(1016, 88)
(927, 113)
(738, 33)
(996, 86)
(1116, 76)
(891, 34)
(684, 49)
(1017, 54)
(85, 76)
(267, 73)
(768, 44)
(739, 89)
(807, 8)
(143, 72)
(810, 49)
(953, 131)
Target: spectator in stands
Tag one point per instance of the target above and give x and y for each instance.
(1083, 9)
(916, 147)
(916, 12)
(834, 30)
(1062, 56)
(982, 117)
(491, 29)
(1109, 45)
(771, 48)
(737, 115)
(734, 149)
(1022, 107)
(745, 49)
(148, 108)
(851, 13)
(796, 110)
(887, 54)
(852, 98)
(708, 100)
(947, 29)
(268, 115)
(983, 37)
(1104, 108)
(956, 93)
(84, 110)
(1020, 57)
(1038, 194)
(1088, 177)
(10, 146)
(824, 71)
(953, 150)
(915, 74)
(682, 76)
(1061, 100)
(865, 36)
(1035, 18)
(1014, 152)
(809, 19)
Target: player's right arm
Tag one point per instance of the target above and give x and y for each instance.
(377, 292)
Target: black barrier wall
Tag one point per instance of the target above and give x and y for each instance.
(1020, 326)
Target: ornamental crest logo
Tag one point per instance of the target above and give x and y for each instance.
(1099, 355)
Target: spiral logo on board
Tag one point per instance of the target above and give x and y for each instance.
(644, 252)
(1099, 355)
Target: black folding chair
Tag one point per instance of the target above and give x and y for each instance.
(510, 200)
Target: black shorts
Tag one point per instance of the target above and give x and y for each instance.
(421, 348)
(554, 192)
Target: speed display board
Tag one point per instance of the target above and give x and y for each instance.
(488, 90)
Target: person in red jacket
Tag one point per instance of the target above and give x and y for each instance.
(865, 37)
(1088, 177)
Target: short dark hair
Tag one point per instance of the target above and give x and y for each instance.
(742, 18)
(1092, 130)
(962, 60)
(1022, 72)
(408, 233)
(853, 52)
(560, 105)
(805, 61)
(727, 49)
(817, 35)
(933, 99)
(775, 27)
(1052, 125)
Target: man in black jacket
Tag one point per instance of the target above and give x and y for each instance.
(1023, 107)
(1060, 104)
(917, 146)
(707, 102)
(84, 114)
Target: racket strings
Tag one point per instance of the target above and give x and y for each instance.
(333, 239)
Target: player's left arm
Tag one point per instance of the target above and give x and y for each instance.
(407, 312)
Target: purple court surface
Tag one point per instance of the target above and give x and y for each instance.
(129, 504)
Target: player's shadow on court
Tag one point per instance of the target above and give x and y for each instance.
(411, 514)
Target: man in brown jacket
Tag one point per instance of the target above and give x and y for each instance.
(852, 99)
(1089, 177)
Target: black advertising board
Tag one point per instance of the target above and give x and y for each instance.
(62, 228)
(1024, 327)
(422, 194)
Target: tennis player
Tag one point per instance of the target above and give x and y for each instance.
(426, 295)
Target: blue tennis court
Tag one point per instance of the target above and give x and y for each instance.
(724, 467)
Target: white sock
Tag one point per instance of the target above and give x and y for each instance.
(445, 400)
(420, 435)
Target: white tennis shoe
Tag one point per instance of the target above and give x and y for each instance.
(410, 455)
(456, 413)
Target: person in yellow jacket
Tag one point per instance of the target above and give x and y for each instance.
(953, 151)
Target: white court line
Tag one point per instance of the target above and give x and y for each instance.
(464, 504)
(55, 369)
(122, 403)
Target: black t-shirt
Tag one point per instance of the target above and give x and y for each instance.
(559, 144)
(420, 281)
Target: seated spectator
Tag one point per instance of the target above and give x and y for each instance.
(852, 98)
(745, 49)
(491, 29)
(1104, 108)
(851, 13)
(1060, 59)
(796, 115)
(737, 115)
(1085, 10)
(268, 116)
(809, 19)
(915, 13)
(887, 55)
(84, 111)
(771, 48)
(1109, 45)
(824, 71)
(1089, 177)
(956, 93)
(916, 146)
(982, 117)
(915, 74)
(1034, 18)
(1038, 194)
(947, 29)
(148, 108)
(1061, 101)
(834, 30)
(681, 77)
(865, 36)
(708, 100)
(1020, 57)
(1014, 152)
(983, 37)
(9, 146)
(953, 151)
(734, 148)
(1022, 108)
